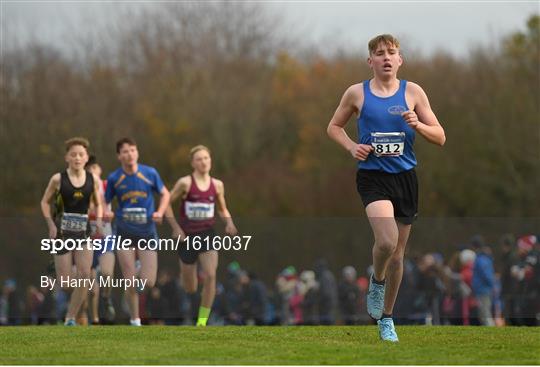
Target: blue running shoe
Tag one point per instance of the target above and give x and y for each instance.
(387, 331)
(70, 322)
(375, 299)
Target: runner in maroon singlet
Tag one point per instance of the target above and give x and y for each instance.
(197, 210)
(199, 193)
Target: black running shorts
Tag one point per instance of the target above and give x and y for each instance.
(203, 243)
(400, 188)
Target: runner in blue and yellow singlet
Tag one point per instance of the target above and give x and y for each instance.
(133, 185)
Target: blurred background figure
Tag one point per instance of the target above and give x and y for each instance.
(156, 307)
(34, 299)
(349, 296)
(467, 258)
(483, 283)
(430, 288)
(526, 274)
(363, 284)
(46, 311)
(254, 300)
(286, 284)
(309, 296)
(234, 297)
(507, 258)
(328, 295)
(172, 297)
(11, 304)
(456, 291)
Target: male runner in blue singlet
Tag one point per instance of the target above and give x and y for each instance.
(389, 113)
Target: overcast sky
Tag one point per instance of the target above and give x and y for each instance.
(427, 26)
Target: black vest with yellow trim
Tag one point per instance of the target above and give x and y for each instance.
(73, 199)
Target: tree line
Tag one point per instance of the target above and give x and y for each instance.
(226, 76)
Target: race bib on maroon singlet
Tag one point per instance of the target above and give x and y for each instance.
(199, 211)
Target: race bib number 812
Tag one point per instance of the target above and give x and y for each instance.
(388, 144)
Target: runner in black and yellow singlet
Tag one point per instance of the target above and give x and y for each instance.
(74, 189)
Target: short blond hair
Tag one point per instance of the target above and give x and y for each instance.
(196, 149)
(387, 39)
(77, 141)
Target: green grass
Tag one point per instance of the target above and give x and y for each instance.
(267, 345)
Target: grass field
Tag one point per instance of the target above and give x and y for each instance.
(267, 345)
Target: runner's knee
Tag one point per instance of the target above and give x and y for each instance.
(210, 276)
(64, 286)
(84, 273)
(189, 284)
(106, 273)
(150, 282)
(386, 243)
(396, 260)
(128, 271)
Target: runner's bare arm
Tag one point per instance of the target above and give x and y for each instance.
(347, 107)
(423, 119)
(178, 191)
(223, 212)
(163, 205)
(52, 187)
